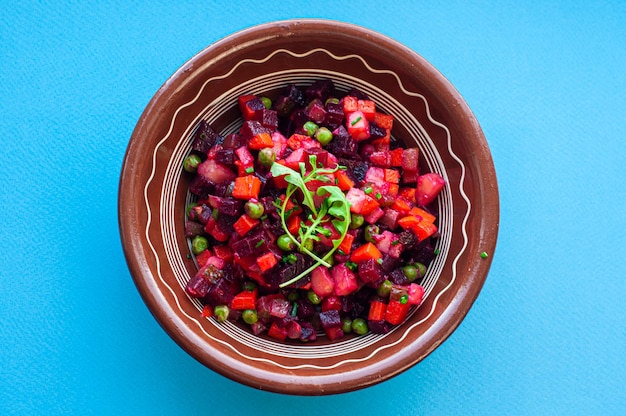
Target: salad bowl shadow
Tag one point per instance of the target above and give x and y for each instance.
(429, 114)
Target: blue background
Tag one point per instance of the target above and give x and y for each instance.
(547, 334)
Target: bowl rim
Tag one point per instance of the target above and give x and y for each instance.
(132, 241)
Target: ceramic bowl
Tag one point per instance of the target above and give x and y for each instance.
(429, 114)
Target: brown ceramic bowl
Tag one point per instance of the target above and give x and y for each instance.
(429, 114)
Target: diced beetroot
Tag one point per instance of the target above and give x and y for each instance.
(280, 144)
(215, 172)
(307, 332)
(428, 187)
(244, 155)
(197, 286)
(264, 306)
(330, 319)
(409, 176)
(205, 137)
(267, 118)
(416, 294)
(279, 308)
(345, 280)
(378, 327)
(334, 114)
(410, 159)
(233, 141)
(382, 159)
(320, 154)
(375, 175)
(360, 203)
(322, 282)
(295, 158)
(331, 303)
(334, 333)
(358, 126)
(384, 241)
(294, 330)
(193, 228)
(320, 89)
(258, 328)
(226, 205)
(370, 271)
(251, 128)
(316, 111)
(374, 216)
(390, 218)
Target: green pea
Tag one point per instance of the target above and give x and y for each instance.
(267, 102)
(191, 162)
(250, 316)
(254, 209)
(308, 244)
(332, 100)
(267, 156)
(384, 289)
(199, 244)
(285, 243)
(411, 272)
(371, 231)
(359, 326)
(313, 297)
(421, 268)
(310, 128)
(346, 325)
(324, 136)
(221, 313)
(356, 221)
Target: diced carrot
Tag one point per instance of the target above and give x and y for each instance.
(384, 120)
(277, 332)
(245, 110)
(244, 300)
(366, 252)
(291, 209)
(295, 141)
(408, 194)
(243, 169)
(377, 311)
(393, 189)
(245, 224)
(392, 176)
(260, 141)
(424, 229)
(368, 108)
(409, 222)
(426, 216)
(203, 257)
(293, 224)
(246, 187)
(396, 312)
(396, 157)
(343, 180)
(350, 104)
(401, 205)
(207, 311)
(267, 261)
(346, 244)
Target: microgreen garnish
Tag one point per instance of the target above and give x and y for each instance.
(334, 208)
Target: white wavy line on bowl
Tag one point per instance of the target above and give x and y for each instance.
(409, 93)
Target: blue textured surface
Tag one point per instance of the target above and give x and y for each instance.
(547, 83)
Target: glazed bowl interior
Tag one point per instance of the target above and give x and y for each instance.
(429, 114)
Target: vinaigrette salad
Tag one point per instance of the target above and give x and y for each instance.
(310, 220)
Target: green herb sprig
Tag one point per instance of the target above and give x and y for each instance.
(334, 208)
